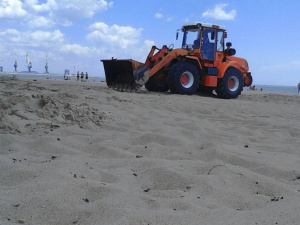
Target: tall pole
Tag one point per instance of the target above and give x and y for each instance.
(46, 67)
(1, 68)
(16, 63)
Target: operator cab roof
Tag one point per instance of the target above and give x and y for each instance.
(198, 24)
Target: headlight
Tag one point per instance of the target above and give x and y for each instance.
(245, 64)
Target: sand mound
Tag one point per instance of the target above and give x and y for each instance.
(80, 153)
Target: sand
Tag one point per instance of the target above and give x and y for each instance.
(80, 153)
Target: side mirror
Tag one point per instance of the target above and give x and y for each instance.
(177, 32)
(225, 34)
(230, 51)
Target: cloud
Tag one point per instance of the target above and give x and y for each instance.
(33, 5)
(32, 39)
(45, 36)
(121, 36)
(60, 12)
(75, 48)
(122, 42)
(149, 43)
(169, 18)
(68, 12)
(186, 20)
(12, 9)
(162, 16)
(41, 22)
(158, 15)
(219, 13)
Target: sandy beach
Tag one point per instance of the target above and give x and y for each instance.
(80, 153)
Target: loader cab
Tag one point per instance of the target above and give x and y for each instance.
(212, 43)
(206, 37)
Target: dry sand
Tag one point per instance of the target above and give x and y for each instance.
(80, 153)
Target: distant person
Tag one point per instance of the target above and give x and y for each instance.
(82, 75)
(298, 87)
(78, 76)
(86, 76)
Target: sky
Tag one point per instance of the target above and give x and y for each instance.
(77, 34)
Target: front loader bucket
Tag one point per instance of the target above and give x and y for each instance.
(125, 74)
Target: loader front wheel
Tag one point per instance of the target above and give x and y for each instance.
(183, 78)
(248, 80)
(157, 83)
(231, 85)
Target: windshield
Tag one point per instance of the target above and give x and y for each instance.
(191, 39)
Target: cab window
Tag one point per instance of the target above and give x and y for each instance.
(191, 39)
(220, 41)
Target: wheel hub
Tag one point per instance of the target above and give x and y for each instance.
(233, 83)
(187, 79)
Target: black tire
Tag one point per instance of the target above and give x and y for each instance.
(248, 80)
(183, 78)
(157, 83)
(231, 85)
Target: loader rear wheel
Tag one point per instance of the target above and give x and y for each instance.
(157, 83)
(183, 78)
(231, 85)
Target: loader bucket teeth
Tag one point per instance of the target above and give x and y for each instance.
(125, 74)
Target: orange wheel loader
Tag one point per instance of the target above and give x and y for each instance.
(203, 63)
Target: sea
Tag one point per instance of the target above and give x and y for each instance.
(265, 88)
(275, 89)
